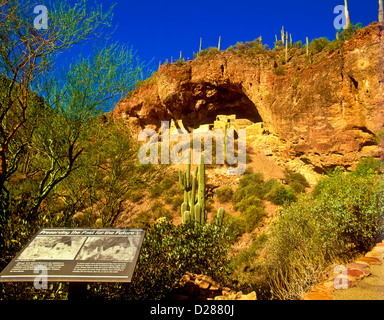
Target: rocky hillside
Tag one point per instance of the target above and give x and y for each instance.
(326, 107)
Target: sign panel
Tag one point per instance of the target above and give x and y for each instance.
(83, 255)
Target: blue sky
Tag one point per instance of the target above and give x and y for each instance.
(159, 30)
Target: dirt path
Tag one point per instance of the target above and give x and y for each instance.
(364, 279)
(369, 288)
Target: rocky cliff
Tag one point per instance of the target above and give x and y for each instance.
(327, 108)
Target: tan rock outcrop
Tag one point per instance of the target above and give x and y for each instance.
(327, 110)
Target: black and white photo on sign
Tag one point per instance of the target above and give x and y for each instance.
(52, 248)
(107, 248)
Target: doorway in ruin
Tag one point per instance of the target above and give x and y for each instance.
(227, 101)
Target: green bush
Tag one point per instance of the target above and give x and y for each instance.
(341, 218)
(142, 220)
(354, 203)
(269, 184)
(208, 51)
(346, 34)
(368, 165)
(159, 211)
(162, 186)
(333, 45)
(249, 272)
(252, 209)
(169, 251)
(317, 45)
(251, 179)
(281, 195)
(298, 44)
(224, 194)
(236, 225)
(296, 181)
(252, 190)
(248, 201)
(248, 191)
(379, 136)
(146, 218)
(253, 216)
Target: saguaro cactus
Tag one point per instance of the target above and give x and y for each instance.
(381, 11)
(185, 182)
(347, 19)
(193, 209)
(201, 186)
(282, 36)
(186, 217)
(219, 217)
(286, 49)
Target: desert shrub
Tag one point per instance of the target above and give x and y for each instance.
(296, 181)
(298, 44)
(208, 51)
(159, 211)
(180, 62)
(248, 201)
(135, 195)
(250, 185)
(317, 45)
(162, 186)
(250, 190)
(341, 218)
(249, 271)
(297, 186)
(252, 209)
(333, 45)
(353, 202)
(255, 47)
(280, 195)
(169, 251)
(251, 178)
(253, 216)
(269, 184)
(224, 194)
(368, 165)
(236, 225)
(146, 218)
(346, 34)
(379, 136)
(177, 200)
(142, 220)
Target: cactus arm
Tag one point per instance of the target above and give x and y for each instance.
(188, 176)
(193, 199)
(201, 187)
(186, 217)
(347, 18)
(220, 217)
(198, 213)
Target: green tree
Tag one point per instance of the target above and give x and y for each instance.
(43, 139)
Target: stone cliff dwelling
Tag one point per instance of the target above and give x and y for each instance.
(222, 122)
(327, 111)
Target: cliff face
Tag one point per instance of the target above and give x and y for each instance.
(326, 110)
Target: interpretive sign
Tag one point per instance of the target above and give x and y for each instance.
(81, 255)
